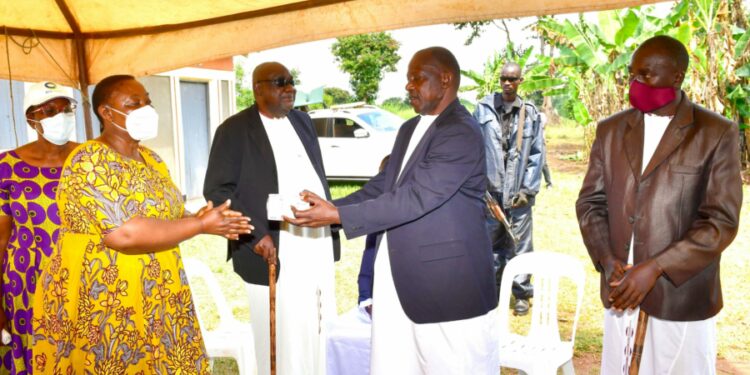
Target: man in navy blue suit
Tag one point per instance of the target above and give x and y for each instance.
(434, 286)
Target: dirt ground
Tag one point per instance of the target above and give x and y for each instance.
(588, 364)
(559, 158)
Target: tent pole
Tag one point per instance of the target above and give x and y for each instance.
(83, 67)
(83, 81)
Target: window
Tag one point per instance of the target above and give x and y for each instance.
(11, 137)
(320, 127)
(344, 128)
(382, 120)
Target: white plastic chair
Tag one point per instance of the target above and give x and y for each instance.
(231, 338)
(541, 351)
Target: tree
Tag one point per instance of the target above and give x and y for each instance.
(335, 95)
(739, 85)
(243, 95)
(296, 75)
(590, 73)
(366, 57)
(476, 28)
(489, 80)
(588, 77)
(396, 102)
(718, 39)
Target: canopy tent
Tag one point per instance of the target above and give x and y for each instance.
(79, 42)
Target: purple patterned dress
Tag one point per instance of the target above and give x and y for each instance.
(27, 195)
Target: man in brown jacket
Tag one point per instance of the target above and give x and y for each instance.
(659, 203)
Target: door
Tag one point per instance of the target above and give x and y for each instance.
(195, 130)
(323, 131)
(10, 136)
(355, 157)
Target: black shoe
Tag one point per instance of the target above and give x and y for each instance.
(521, 308)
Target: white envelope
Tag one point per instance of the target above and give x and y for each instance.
(278, 205)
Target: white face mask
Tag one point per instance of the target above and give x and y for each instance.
(58, 128)
(142, 124)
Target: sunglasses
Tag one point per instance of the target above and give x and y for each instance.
(280, 82)
(509, 79)
(50, 109)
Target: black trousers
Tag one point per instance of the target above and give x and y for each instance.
(504, 249)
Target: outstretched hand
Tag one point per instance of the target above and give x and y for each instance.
(320, 213)
(630, 291)
(222, 221)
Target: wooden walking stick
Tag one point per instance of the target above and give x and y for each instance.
(272, 305)
(640, 337)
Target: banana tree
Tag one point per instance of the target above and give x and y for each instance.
(589, 75)
(718, 38)
(489, 80)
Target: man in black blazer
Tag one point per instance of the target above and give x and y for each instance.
(434, 286)
(245, 165)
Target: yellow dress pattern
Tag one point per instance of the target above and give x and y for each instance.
(100, 311)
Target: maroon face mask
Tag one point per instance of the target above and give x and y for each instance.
(647, 98)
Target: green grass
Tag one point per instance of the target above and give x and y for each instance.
(340, 189)
(564, 131)
(406, 112)
(401, 109)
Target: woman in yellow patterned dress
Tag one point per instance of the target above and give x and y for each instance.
(114, 299)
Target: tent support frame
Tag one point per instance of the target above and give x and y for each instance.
(83, 68)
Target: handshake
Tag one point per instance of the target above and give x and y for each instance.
(307, 210)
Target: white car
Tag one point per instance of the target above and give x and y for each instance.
(354, 139)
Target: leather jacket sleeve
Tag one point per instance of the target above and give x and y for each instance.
(591, 208)
(532, 177)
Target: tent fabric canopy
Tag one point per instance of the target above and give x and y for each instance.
(142, 37)
(80, 42)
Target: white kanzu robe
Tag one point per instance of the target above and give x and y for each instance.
(305, 294)
(669, 347)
